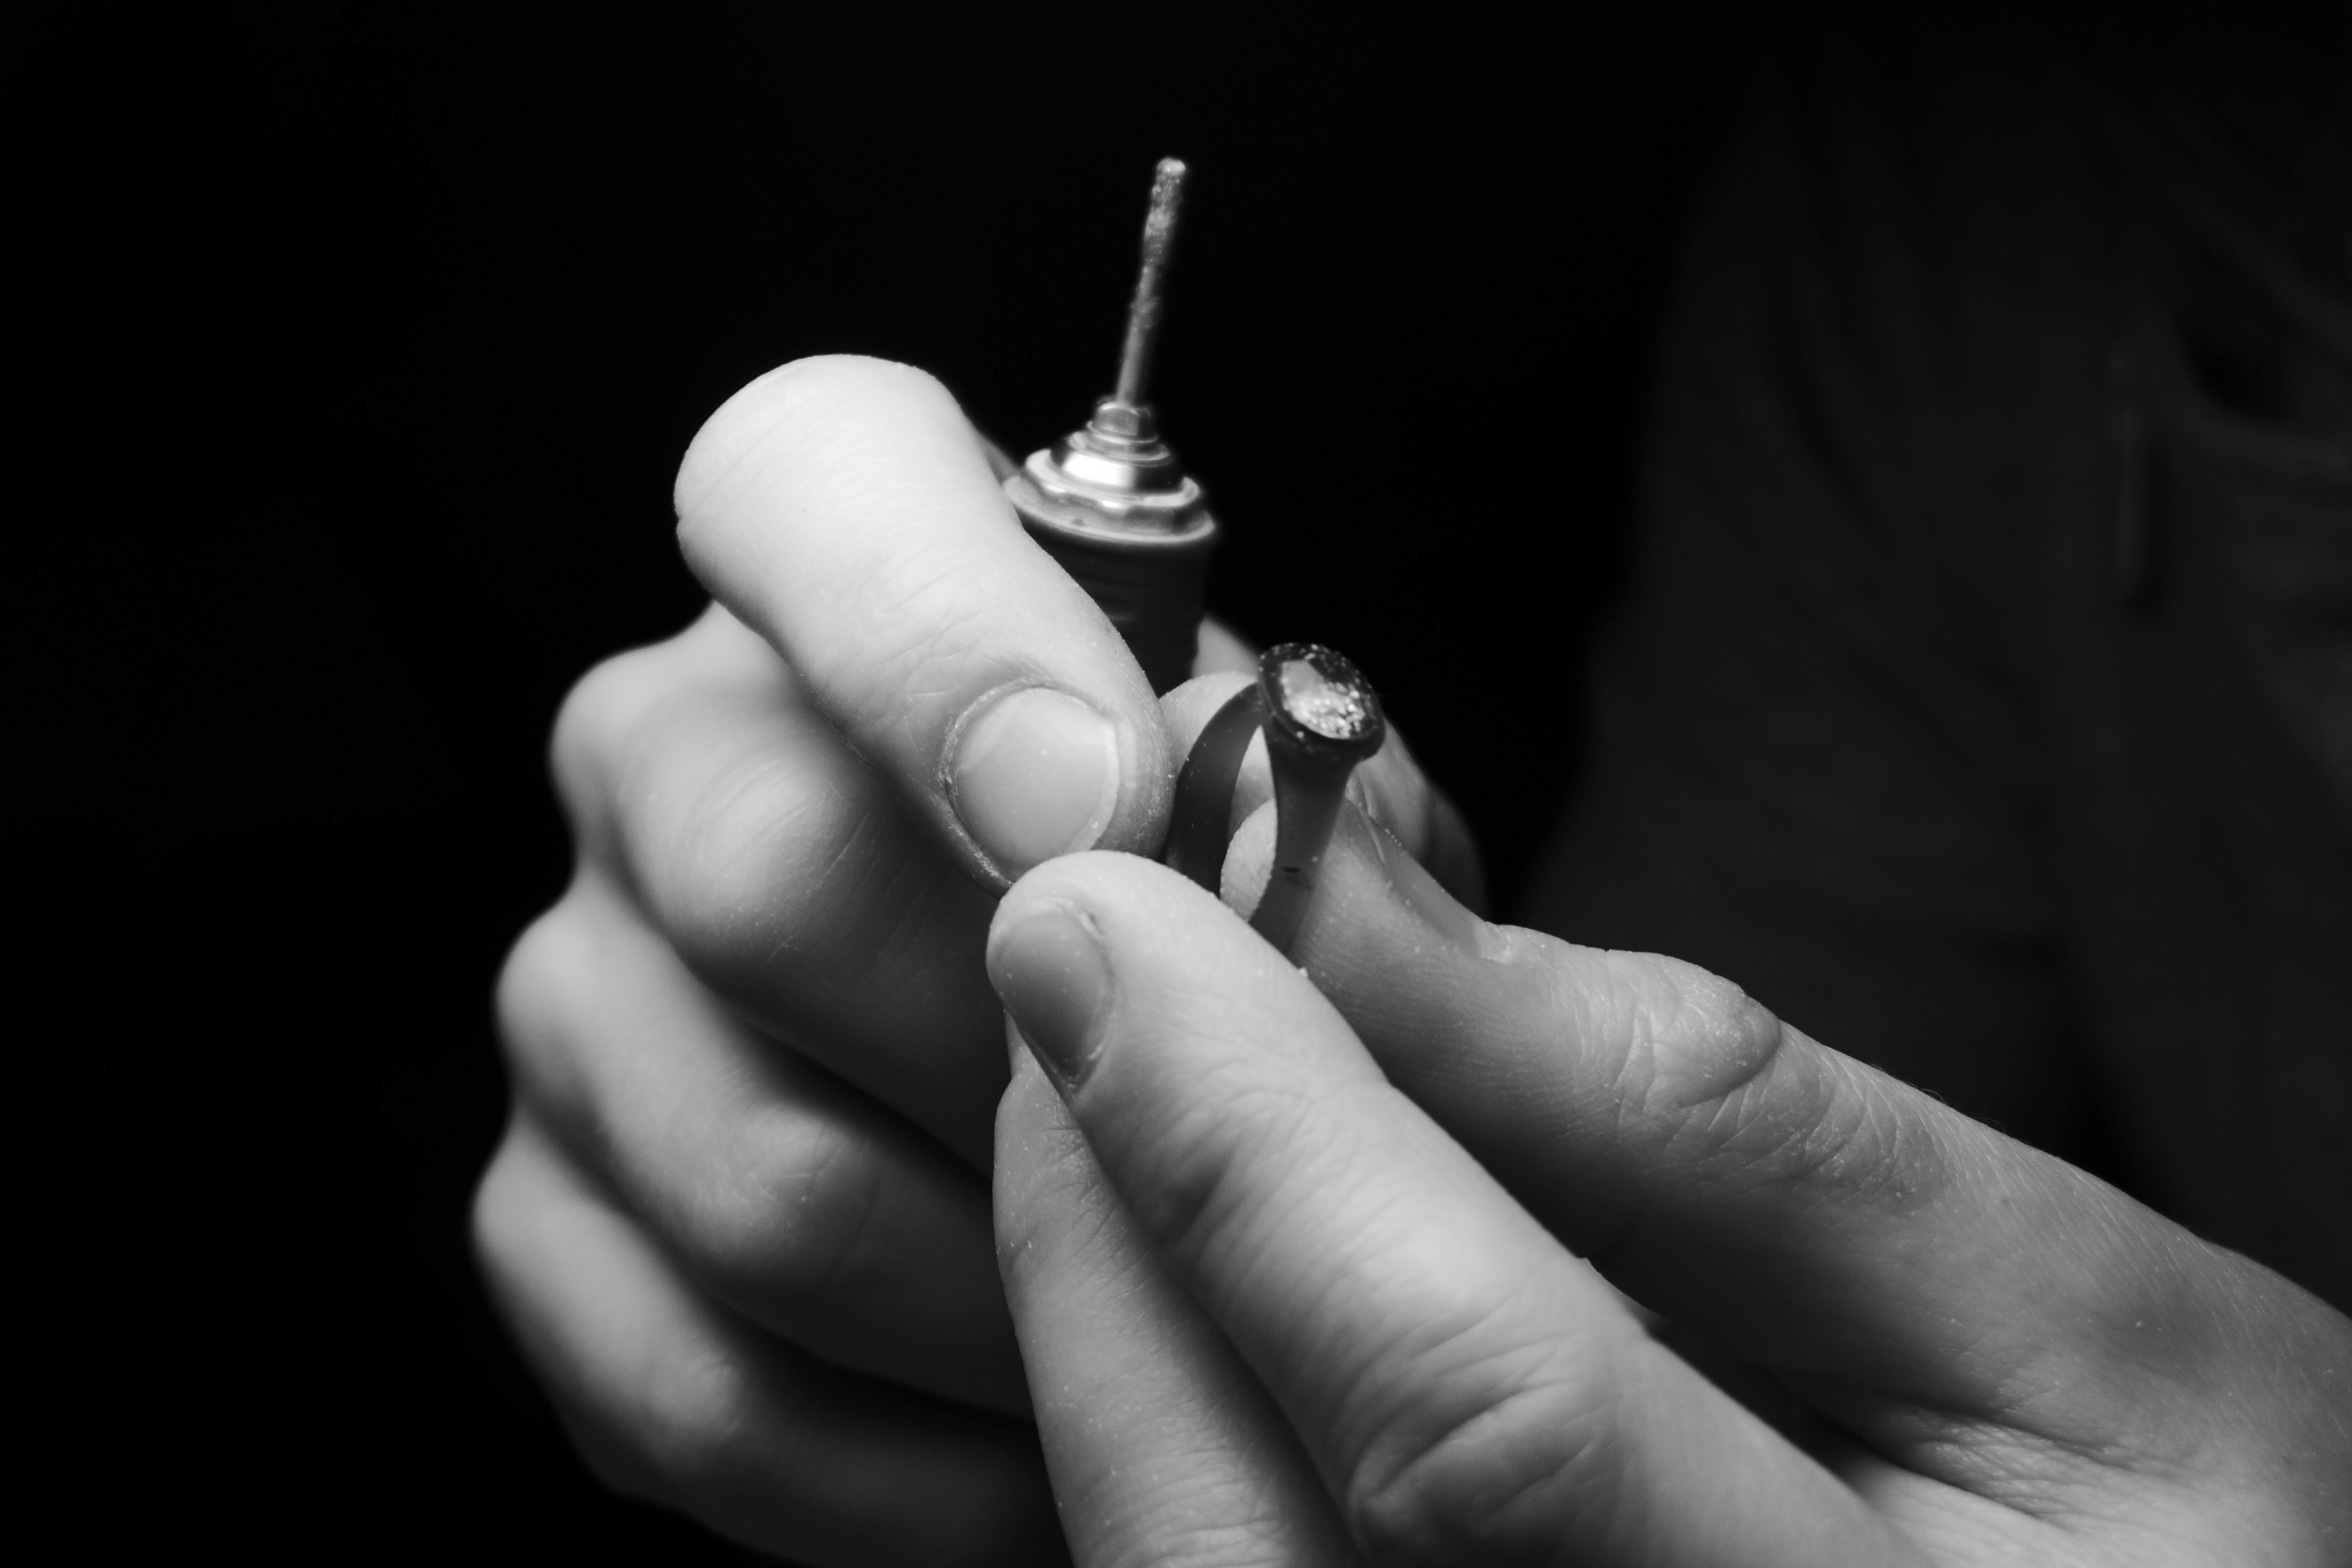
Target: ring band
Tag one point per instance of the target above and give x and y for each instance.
(1320, 718)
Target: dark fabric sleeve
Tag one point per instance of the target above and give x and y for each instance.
(1814, 773)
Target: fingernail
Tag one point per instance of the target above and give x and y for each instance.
(1034, 774)
(1050, 973)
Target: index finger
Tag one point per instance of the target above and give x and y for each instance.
(1807, 1213)
(845, 509)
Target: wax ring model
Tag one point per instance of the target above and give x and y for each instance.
(1320, 718)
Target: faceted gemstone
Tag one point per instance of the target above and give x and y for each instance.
(1323, 693)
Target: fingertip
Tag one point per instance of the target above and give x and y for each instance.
(809, 401)
(1128, 900)
(1093, 943)
(1054, 975)
(1220, 651)
(829, 434)
(1187, 709)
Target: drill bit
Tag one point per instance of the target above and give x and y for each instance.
(1143, 313)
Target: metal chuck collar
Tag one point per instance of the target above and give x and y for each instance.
(1110, 502)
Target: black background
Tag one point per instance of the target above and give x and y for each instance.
(355, 349)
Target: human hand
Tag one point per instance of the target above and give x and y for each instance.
(1302, 1274)
(739, 1221)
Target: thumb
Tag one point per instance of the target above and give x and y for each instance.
(1466, 1390)
(843, 509)
(1162, 1446)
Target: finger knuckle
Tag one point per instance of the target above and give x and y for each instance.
(666, 1426)
(805, 407)
(1838, 1126)
(680, 1436)
(915, 626)
(758, 837)
(794, 1216)
(614, 1457)
(1748, 1100)
(1526, 1469)
(595, 725)
(509, 1227)
(544, 969)
(696, 1418)
(1202, 1186)
(1692, 1037)
(500, 1212)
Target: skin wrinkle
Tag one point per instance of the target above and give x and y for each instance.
(791, 1207)
(743, 1427)
(886, 511)
(869, 431)
(1196, 1216)
(1173, 1539)
(596, 1140)
(2113, 1412)
(1961, 1528)
(1736, 1116)
(726, 843)
(1192, 1199)
(907, 936)
(1951, 1444)
(2086, 1500)
(827, 594)
(1862, 1137)
(1847, 1140)
(858, 397)
(702, 1406)
(1257, 1537)
(850, 845)
(729, 748)
(1247, 1529)
(795, 1191)
(655, 1101)
(607, 729)
(1190, 1205)
(841, 961)
(748, 424)
(1704, 1038)
(1903, 1162)
(1438, 1314)
(1435, 1517)
(1065, 1172)
(901, 679)
(751, 807)
(1907, 1154)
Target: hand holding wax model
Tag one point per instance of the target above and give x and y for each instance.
(1297, 1257)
